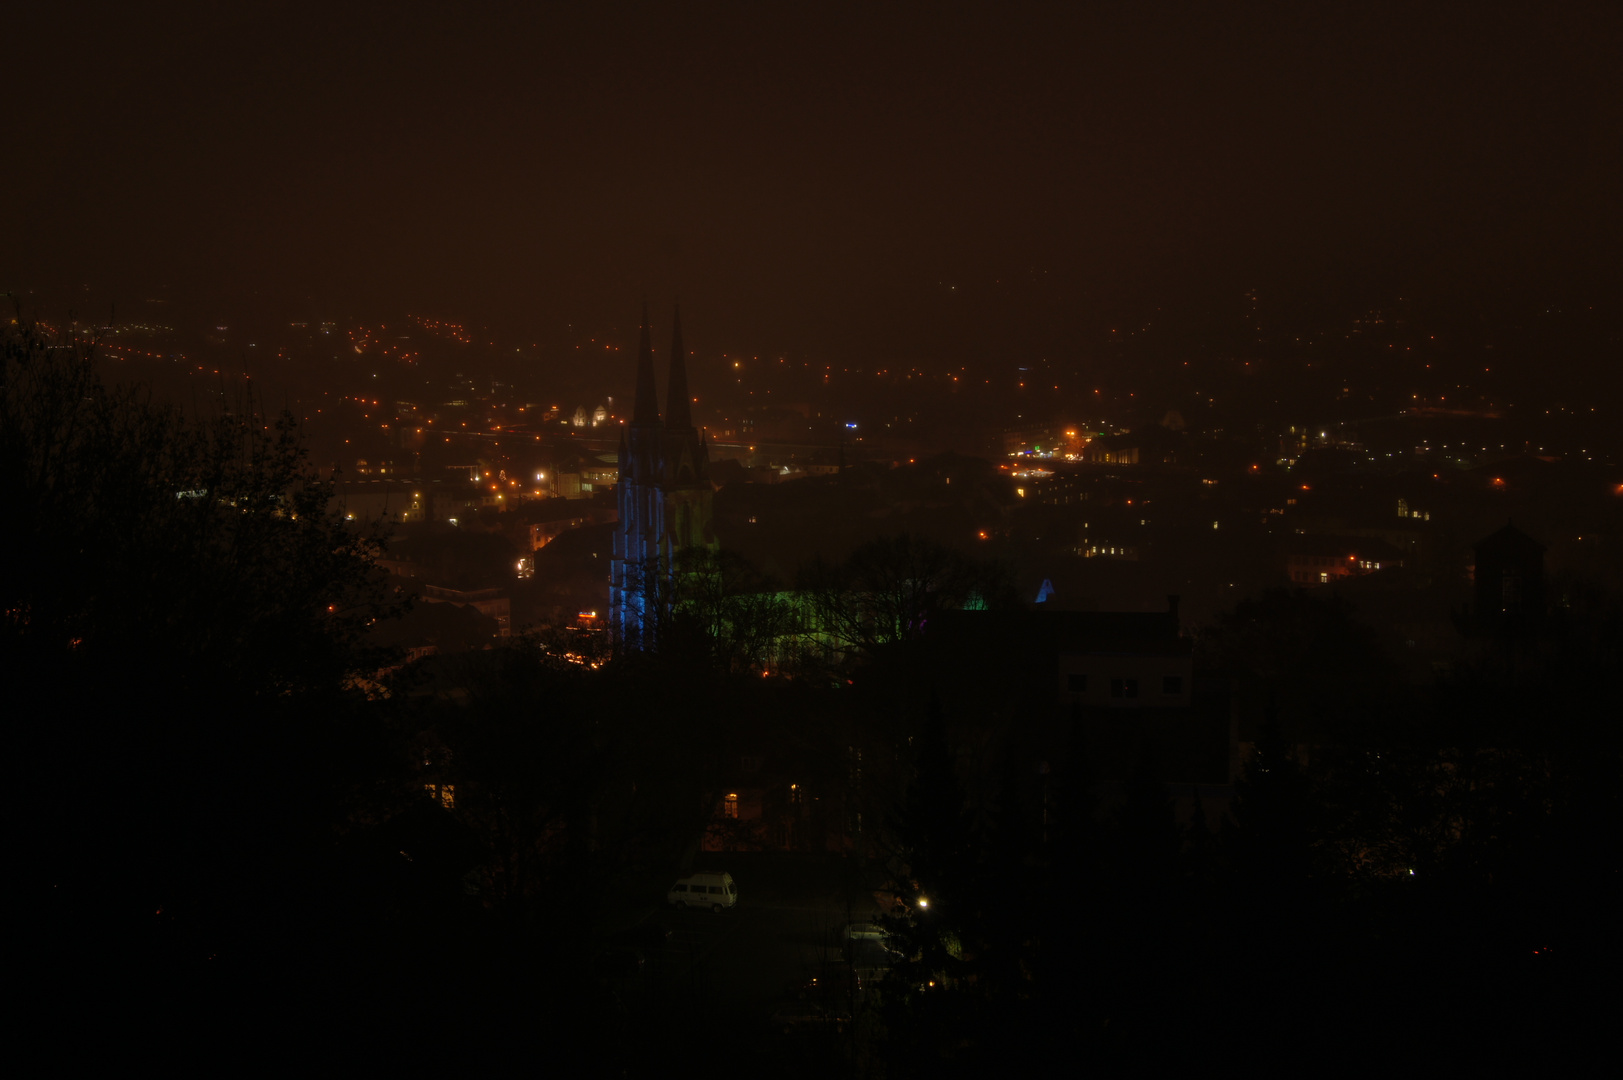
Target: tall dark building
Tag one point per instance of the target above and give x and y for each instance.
(1509, 582)
(664, 493)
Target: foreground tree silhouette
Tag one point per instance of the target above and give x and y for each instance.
(137, 533)
(931, 876)
(180, 635)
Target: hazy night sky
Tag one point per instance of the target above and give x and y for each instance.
(936, 182)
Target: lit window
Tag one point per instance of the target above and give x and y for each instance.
(729, 806)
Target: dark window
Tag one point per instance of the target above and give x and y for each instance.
(716, 890)
(1078, 684)
(679, 888)
(1172, 684)
(1124, 688)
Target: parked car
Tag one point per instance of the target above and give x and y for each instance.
(865, 931)
(804, 1017)
(707, 889)
(835, 985)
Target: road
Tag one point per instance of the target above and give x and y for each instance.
(727, 975)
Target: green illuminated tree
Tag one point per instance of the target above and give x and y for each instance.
(890, 588)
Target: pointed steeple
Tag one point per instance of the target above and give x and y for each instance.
(678, 414)
(647, 409)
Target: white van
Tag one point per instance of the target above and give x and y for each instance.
(703, 890)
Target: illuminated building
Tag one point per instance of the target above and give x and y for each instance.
(1322, 560)
(664, 493)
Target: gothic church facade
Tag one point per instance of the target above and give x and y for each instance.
(664, 493)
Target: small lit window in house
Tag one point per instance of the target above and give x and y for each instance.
(729, 806)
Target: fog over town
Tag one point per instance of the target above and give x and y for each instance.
(816, 539)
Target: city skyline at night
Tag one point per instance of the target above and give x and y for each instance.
(814, 540)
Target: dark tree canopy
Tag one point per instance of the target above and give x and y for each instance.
(181, 640)
(196, 543)
(892, 586)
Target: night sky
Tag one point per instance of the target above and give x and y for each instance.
(928, 182)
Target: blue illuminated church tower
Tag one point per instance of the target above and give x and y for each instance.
(664, 494)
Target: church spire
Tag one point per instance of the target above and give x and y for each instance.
(647, 410)
(678, 414)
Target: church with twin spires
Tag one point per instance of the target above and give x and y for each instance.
(664, 494)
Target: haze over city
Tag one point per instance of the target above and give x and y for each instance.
(824, 459)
